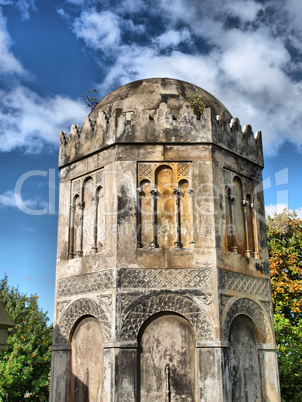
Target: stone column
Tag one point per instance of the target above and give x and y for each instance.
(232, 199)
(154, 194)
(71, 231)
(139, 218)
(79, 244)
(255, 230)
(95, 200)
(177, 243)
(244, 205)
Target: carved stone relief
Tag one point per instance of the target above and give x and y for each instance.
(172, 303)
(243, 283)
(166, 278)
(164, 205)
(183, 169)
(126, 300)
(253, 310)
(88, 283)
(75, 311)
(144, 170)
(61, 307)
(76, 185)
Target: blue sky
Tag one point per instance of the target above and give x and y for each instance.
(245, 52)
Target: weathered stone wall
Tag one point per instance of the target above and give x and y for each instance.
(162, 241)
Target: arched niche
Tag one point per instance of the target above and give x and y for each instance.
(88, 215)
(167, 363)
(165, 210)
(185, 214)
(87, 361)
(239, 238)
(145, 213)
(244, 362)
(99, 217)
(74, 226)
(229, 219)
(250, 225)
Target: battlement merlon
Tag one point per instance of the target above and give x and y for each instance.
(162, 126)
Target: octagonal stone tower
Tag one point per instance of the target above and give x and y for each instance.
(162, 283)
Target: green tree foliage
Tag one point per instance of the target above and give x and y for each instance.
(25, 364)
(284, 233)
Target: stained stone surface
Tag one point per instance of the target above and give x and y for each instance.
(162, 254)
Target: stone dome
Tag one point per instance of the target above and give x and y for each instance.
(158, 111)
(148, 94)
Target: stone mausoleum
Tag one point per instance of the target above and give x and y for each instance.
(162, 284)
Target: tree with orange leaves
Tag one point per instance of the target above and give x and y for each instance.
(284, 232)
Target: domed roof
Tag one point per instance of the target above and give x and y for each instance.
(157, 111)
(150, 93)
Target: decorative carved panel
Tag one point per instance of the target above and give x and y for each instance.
(88, 283)
(164, 205)
(166, 278)
(172, 303)
(253, 310)
(243, 283)
(144, 170)
(183, 169)
(75, 311)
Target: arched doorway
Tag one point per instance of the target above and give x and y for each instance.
(87, 360)
(167, 364)
(244, 361)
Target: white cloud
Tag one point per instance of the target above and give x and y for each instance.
(173, 38)
(79, 2)
(12, 199)
(25, 6)
(8, 62)
(246, 10)
(99, 30)
(28, 121)
(136, 62)
(274, 209)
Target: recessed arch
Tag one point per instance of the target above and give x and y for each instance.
(239, 225)
(144, 308)
(87, 360)
(167, 370)
(244, 361)
(78, 309)
(250, 308)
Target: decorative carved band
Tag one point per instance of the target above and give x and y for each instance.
(85, 283)
(169, 303)
(77, 310)
(166, 278)
(253, 310)
(243, 283)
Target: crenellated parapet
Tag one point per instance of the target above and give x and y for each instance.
(241, 141)
(162, 116)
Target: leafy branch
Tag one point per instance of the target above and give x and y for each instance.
(198, 103)
(90, 99)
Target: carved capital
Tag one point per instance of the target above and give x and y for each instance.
(190, 192)
(81, 205)
(232, 198)
(153, 192)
